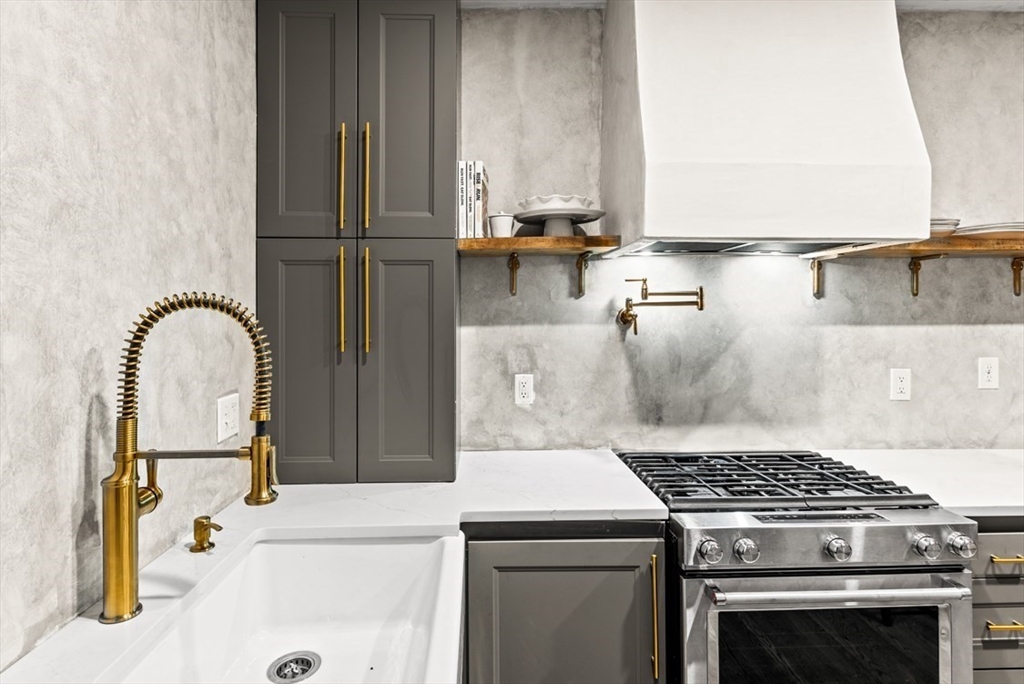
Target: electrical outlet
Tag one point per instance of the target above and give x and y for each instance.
(988, 373)
(899, 384)
(227, 416)
(524, 390)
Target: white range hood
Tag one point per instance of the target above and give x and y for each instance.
(729, 122)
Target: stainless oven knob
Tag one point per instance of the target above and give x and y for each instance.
(927, 547)
(839, 549)
(746, 550)
(710, 551)
(962, 545)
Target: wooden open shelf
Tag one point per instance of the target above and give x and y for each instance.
(578, 244)
(952, 246)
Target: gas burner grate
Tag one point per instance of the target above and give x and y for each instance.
(764, 480)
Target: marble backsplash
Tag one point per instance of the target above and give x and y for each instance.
(127, 173)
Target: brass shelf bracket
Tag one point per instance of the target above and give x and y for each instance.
(582, 264)
(628, 316)
(915, 271)
(817, 278)
(1017, 265)
(513, 271)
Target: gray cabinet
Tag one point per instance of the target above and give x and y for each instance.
(998, 601)
(381, 406)
(407, 374)
(565, 610)
(382, 71)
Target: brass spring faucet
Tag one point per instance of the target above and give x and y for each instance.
(124, 501)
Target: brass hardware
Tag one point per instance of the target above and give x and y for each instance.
(342, 137)
(513, 268)
(1017, 265)
(366, 178)
(643, 288)
(124, 501)
(817, 273)
(1016, 559)
(1014, 626)
(654, 609)
(582, 264)
(915, 271)
(201, 527)
(341, 299)
(366, 299)
(627, 316)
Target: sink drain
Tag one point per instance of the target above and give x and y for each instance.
(293, 667)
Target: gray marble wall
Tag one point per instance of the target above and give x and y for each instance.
(766, 365)
(127, 173)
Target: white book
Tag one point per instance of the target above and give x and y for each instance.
(461, 192)
(471, 200)
(480, 195)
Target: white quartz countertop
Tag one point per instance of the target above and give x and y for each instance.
(971, 482)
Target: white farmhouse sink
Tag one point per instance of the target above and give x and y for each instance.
(374, 610)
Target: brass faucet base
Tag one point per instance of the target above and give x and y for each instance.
(120, 618)
(250, 501)
(195, 548)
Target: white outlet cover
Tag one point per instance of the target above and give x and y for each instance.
(227, 416)
(988, 372)
(899, 384)
(523, 389)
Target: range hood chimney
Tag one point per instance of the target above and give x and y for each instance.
(732, 122)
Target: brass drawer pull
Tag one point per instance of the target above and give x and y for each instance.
(366, 178)
(1014, 626)
(341, 179)
(366, 298)
(341, 299)
(654, 610)
(1016, 559)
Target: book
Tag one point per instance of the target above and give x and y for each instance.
(470, 200)
(460, 191)
(480, 194)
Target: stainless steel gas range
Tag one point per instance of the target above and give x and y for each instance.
(795, 568)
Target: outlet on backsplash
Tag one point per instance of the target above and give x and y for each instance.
(988, 373)
(524, 390)
(899, 384)
(227, 416)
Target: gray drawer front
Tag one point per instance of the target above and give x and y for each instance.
(1002, 545)
(998, 676)
(998, 590)
(998, 649)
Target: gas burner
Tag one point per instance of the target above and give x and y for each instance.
(768, 480)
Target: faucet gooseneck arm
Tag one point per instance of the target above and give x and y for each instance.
(124, 501)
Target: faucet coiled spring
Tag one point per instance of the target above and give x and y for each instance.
(129, 380)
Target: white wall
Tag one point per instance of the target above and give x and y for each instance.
(127, 173)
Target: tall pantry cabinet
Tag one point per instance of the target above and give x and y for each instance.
(356, 250)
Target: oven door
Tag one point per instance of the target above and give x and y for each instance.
(912, 628)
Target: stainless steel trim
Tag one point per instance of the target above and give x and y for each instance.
(956, 592)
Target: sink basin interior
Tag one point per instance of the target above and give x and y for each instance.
(374, 610)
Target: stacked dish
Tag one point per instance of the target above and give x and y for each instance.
(559, 214)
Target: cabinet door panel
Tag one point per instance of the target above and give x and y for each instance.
(563, 611)
(306, 76)
(407, 377)
(407, 93)
(313, 414)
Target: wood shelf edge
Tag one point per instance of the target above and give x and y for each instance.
(952, 246)
(538, 245)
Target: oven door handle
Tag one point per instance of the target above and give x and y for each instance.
(954, 592)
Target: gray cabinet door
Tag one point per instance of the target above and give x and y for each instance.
(306, 66)
(407, 96)
(564, 611)
(313, 410)
(407, 374)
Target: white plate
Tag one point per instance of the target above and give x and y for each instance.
(991, 228)
(539, 216)
(552, 202)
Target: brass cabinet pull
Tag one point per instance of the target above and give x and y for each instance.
(366, 298)
(366, 178)
(1014, 626)
(341, 299)
(654, 608)
(1017, 559)
(341, 179)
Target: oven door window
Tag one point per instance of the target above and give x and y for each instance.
(898, 645)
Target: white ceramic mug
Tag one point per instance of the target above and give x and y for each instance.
(501, 225)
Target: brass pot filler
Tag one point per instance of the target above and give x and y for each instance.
(628, 316)
(124, 501)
